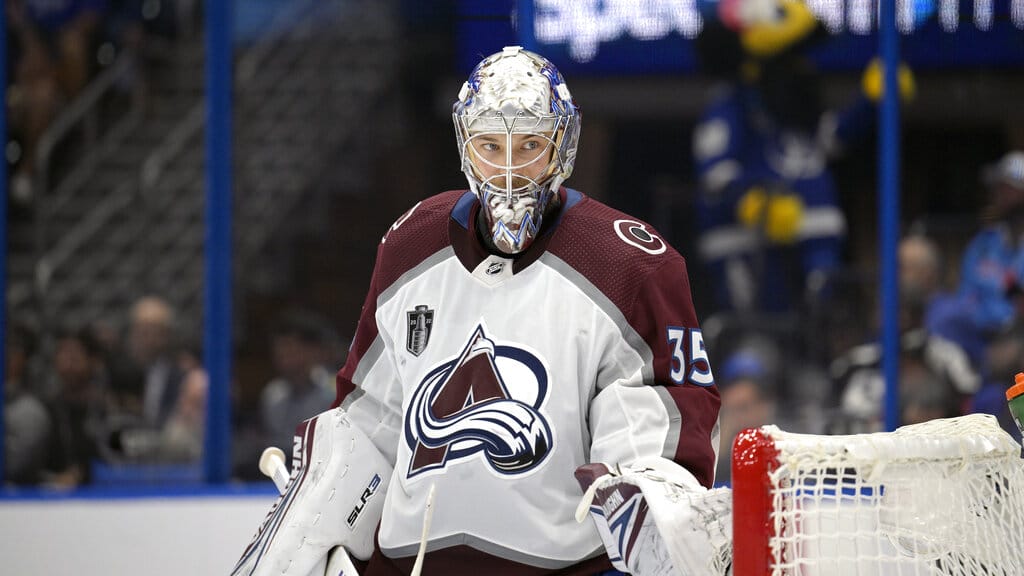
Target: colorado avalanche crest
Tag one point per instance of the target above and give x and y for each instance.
(421, 321)
(465, 408)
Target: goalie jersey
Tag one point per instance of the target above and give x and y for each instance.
(493, 379)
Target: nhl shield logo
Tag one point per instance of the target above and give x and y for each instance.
(420, 322)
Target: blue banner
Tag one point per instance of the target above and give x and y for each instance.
(602, 37)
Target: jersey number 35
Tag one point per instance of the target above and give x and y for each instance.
(689, 358)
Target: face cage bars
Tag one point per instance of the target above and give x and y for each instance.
(561, 127)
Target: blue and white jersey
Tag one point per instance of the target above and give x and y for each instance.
(992, 269)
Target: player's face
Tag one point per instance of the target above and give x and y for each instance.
(514, 163)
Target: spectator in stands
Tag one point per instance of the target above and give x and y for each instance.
(68, 28)
(151, 355)
(925, 359)
(920, 277)
(182, 435)
(304, 386)
(80, 408)
(991, 287)
(53, 62)
(1004, 359)
(924, 395)
(920, 267)
(748, 400)
(27, 423)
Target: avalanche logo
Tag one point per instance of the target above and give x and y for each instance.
(486, 402)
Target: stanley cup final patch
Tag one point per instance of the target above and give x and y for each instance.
(420, 322)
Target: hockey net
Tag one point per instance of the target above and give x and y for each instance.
(945, 497)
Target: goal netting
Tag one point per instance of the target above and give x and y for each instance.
(945, 497)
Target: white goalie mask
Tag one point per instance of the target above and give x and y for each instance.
(517, 129)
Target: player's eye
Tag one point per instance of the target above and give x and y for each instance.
(531, 145)
(489, 147)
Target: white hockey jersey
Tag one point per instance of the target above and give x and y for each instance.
(493, 379)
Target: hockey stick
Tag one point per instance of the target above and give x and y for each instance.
(272, 465)
(428, 515)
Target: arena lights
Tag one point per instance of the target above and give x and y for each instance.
(584, 25)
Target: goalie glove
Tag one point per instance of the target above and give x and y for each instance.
(334, 497)
(656, 519)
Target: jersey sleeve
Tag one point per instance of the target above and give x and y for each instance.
(367, 385)
(669, 406)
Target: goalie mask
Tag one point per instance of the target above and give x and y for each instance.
(517, 130)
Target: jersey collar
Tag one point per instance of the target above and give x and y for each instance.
(463, 231)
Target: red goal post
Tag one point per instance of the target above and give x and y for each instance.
(942, 497)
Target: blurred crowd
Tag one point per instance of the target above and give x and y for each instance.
(792, 329)
(790, 339)
(135, 399)
(123, 399)
(107, 399)
(961, 340)
(54, 48)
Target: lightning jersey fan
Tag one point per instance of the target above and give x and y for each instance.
(493, 379)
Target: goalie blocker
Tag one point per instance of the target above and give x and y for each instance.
(334, 497)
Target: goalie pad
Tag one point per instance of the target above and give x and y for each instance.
(334, 497)
(656, 519)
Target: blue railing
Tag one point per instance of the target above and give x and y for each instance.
(3, 235)
(217, 303)
(889, 208)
